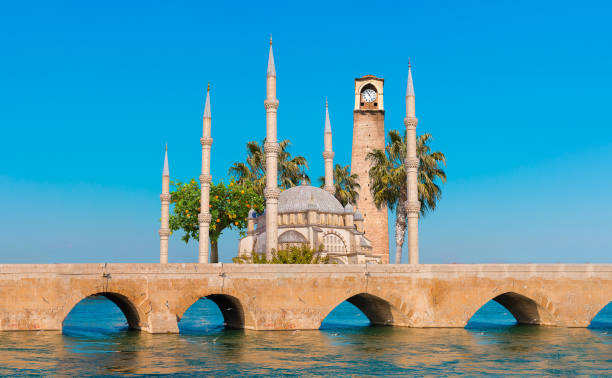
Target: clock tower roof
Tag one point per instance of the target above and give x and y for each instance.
(369, 77)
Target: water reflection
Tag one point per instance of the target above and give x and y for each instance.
(96, 341)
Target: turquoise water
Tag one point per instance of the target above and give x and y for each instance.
(96, 341)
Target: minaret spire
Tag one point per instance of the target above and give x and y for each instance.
(166, 171)
(205, 180)
(271, 68)
(164, 231)
(410, 85)
(271, 192)
(207, 104)
(327, 123)
(412, 205)
(328, 154)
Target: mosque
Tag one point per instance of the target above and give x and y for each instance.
(312, 216)
(307, 215)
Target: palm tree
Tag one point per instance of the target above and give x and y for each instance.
(291, 170)
(345, 183)
(388, 180)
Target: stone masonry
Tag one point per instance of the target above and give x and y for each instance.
(154, 297)
(369, 134)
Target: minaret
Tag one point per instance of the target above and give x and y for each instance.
(205, 180)
(328, 155)
(271, 192)
(164, 231)
(413, 206)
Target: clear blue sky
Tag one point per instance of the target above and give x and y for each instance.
(515, 93)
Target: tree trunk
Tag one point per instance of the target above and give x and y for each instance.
(400, 230)
(214, 252)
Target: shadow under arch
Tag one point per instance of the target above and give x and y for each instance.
(231, 309)
(524, 309)
(124, 304)
(377, 310)
(603, 317)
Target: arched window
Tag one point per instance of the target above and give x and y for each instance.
(333, 243)
(291, 238)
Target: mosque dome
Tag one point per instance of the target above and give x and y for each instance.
(302, 198)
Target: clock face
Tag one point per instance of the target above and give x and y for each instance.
(369, 95)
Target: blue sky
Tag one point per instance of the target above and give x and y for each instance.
(515, 93)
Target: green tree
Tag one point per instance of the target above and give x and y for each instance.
(291, 170)
(346, 184)
(292, 255)
(229, 207)
(388, 180)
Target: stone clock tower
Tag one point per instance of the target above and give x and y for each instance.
(369, 134)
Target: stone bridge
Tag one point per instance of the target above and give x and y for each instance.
(154, 297)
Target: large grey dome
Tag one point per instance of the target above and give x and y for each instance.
(302, 198)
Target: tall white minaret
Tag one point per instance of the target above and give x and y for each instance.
(271, 192)
(164, 231)
(413, 206)
(205, 180)
(328, 154)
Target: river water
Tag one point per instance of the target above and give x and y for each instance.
(96, 341)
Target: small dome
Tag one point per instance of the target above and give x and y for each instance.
(252, 214)
(303, 198)
(348, 208)
(365, 242)
(292, 236)
(358, 215)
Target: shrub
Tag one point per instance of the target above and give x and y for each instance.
(292, 255)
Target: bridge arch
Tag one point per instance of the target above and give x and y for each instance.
(525, 308)
(602, 317)
(378, 310)
(130, 310)
(232, 310)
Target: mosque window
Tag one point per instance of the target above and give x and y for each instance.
(333, 243)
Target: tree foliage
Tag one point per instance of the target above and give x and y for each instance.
(229, 207)
(346, 184)
(291, 170)
(388, 179)
(292, 255)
